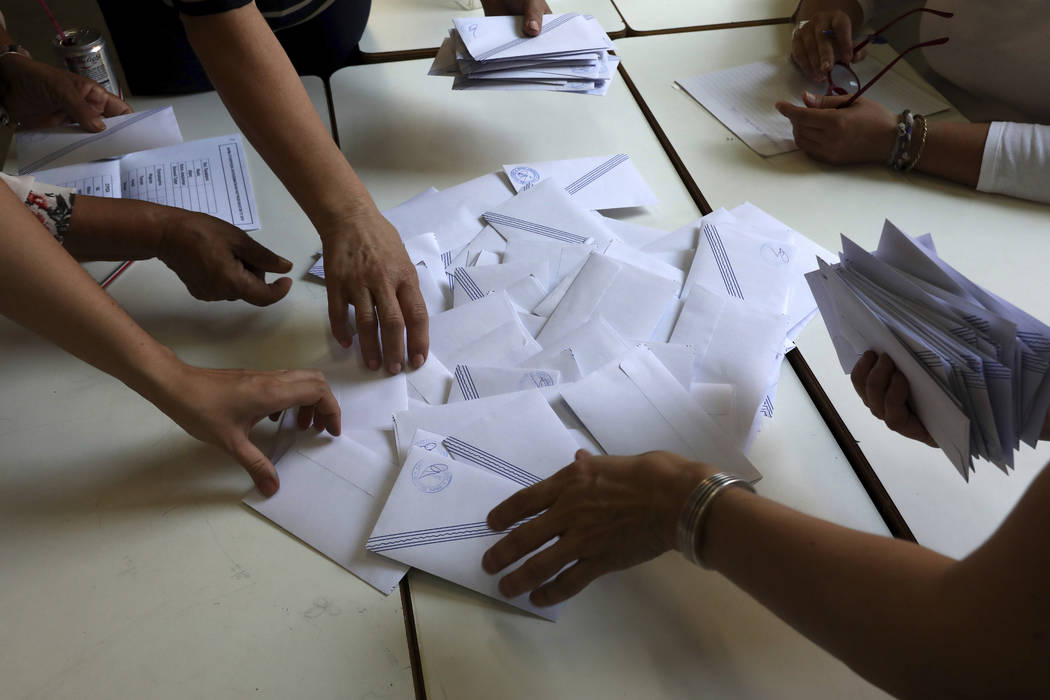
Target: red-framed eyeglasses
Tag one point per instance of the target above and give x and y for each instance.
(843, 74)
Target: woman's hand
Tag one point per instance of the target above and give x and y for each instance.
(220, 407)
(864, 132)
(824, 40)
(884, 391)
(217, 260)
(365, 264)
(533, 11)
(607, 513)
(38, 95)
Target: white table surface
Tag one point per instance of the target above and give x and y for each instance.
(663, 630)
(646, 16)
(130, 568)
(1001, 243)
(396, 26)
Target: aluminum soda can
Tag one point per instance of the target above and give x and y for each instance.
(84, 53)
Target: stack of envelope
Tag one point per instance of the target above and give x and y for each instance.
(554, 326)
(570, 54)
(976, 365)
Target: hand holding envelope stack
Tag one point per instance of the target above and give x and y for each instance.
(571, 54)
(553, 327)
(977, 366)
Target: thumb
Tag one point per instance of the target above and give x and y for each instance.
(581, 454)
(258, 467)
(824, 101)
(533, 17)
(79, 108)
(258, 256)
(255, 291)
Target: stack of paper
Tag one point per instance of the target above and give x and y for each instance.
(552, 328)
(571, 54)
(976, 365)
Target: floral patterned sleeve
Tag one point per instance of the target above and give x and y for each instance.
(51, 204)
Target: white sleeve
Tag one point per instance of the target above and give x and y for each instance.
(19, 184)
(1016, 161)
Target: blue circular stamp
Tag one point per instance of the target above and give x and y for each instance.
(536, 379)
(432, 445)
(525, 176)
(775, 254)
(431, 478)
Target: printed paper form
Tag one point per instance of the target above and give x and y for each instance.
(743, 98)
(208, 176)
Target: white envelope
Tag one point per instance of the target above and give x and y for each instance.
(506, 345)
(432, 381)
(67, 145)
(473, 283)
(434, 520)
(599, 182)
(501, 37)
(635, 406)
(522, 440)
(630, 299)
(459, 327)
(368, 399)
(591, 346)
(548, 212)
(634, 235)
(440, 420)
(474, 382)
(332, 491)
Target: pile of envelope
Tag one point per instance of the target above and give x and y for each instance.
(570, 54)
(977, 366)
(554, 326)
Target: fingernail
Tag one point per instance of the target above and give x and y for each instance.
(533, 25)
(373, 365)
(395, 368)
(808, 96)
(418, 360)
(268, 487)
(345, 343)
(825, 66)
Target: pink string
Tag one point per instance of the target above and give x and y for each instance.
(58, 27)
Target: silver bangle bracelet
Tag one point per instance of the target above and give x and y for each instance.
(695, 509)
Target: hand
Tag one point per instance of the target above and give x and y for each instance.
(365, 264)
(533, 10)
(38, 95)
(607, 513)
(217, 260)
(220, 407)
(815, 53)
(864, 132)
(884, 391)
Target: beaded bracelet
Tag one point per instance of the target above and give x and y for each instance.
(694, 512)
(905, 126)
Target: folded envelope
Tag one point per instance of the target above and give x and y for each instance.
(434, 520)
(601, 182)
(630, 299)
(501, 37)
(459, 328)
(66, 145)
(441, 420)
(474, 382)
(636, 405)
(547, 211)
(332, 491)
(590, 347)
(367, 399)
(473, 283)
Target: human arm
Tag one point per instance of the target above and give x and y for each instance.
(214, 259)
(37, 95)
(45, 290)
(532, 11)
(365, 262)
(912, 621)
(865, 132)
(826, 37)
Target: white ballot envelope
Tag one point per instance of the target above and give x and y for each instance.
(434, 520)
(600, 182)
(474, 382)
(636, 405)
(332, 491)
(67, 145)
(367, 399)
(547, 211)
(501, 36)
